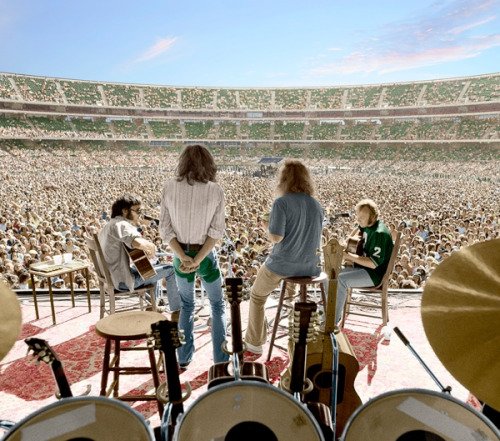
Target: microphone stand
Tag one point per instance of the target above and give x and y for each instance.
(405, 341)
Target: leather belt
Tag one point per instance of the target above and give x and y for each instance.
(190, 246)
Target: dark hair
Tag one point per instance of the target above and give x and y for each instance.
(124, 203)
(295, 178)
(196, 164)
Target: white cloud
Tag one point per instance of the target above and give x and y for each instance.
(437, 35)
(154, 51)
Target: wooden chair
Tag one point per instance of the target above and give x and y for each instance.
(106, 287)
(373, 292)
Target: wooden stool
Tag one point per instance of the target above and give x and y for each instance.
(303, 283)
(126, 327)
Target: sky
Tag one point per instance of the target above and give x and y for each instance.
(250, 43)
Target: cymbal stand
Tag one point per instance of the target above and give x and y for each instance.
(405, 341)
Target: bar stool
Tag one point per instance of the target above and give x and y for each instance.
(303, 283)
(125, 327)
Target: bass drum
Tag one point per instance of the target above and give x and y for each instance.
(418, 415)
(247, 410)
(83, 419)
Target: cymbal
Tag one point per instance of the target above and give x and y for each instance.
(461, 317)
(10, 319)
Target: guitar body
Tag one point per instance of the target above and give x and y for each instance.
(319, 362)
(141, 262)
(355, 245)
(347, 398)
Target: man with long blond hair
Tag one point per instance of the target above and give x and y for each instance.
(191, 221)
(295, 225)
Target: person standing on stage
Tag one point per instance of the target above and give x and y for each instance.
(295, 225)
(191, 221)
(122, 229)
(369, 268)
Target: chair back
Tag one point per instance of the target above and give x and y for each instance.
(97, 257)
(396, 238)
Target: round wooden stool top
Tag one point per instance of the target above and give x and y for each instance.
(307, 280)
(128, 325)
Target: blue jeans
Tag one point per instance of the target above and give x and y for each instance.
(350, 277)
(162, 272)
(186, 320)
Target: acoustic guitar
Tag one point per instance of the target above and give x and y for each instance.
(319, 362)
(167, 338)
(141, 262)
(222, 372)
(43, 352)
(294, 380)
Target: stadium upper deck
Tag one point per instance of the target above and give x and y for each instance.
(461, 109)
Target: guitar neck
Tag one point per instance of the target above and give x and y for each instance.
(61, 380)
(237, 341)
(298, 367)
(173, 382)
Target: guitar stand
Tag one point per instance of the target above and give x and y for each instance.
(335, 377)
(405, 341)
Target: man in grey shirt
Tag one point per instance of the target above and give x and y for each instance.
(295, 226)
(122, 230)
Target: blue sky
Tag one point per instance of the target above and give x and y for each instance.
(250, 43)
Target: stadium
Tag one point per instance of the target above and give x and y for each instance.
(456, 119)
(406, 111)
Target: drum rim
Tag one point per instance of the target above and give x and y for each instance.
(63, 401)
(420, 391)
(257, 384)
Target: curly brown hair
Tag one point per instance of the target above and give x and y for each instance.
(295, 178)
(196, 164)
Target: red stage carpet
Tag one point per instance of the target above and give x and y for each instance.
(384, 364)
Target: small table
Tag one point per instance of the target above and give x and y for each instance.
(50, 269)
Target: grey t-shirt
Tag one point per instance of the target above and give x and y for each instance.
(297, 217)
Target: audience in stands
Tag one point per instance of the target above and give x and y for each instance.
(49, 198)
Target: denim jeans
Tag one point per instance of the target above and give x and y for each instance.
(162, 272)
(186, 320)
(350, 277)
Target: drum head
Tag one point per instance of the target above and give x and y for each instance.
(247, 410)
(418, 415)
(83, 418)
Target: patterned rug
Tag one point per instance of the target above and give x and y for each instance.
(25, 386)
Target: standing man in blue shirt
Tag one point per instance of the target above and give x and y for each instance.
(295, 226)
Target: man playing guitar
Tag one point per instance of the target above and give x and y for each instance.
(122, 230)
(368, 268)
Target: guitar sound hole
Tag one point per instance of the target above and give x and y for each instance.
(323, 380)
(250, 431)
(420, 435)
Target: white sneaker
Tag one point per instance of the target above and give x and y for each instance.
(255, 349)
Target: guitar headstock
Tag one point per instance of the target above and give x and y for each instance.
(332, 253)
(166, 335)
(41, 350)
(234, 289)
(304, 327)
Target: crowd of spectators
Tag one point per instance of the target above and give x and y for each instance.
(49, 199)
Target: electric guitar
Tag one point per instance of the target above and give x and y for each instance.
(43, 352)
(220, 372)
(167, 338)
(319, 362)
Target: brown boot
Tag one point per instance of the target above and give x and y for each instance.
(174, 316)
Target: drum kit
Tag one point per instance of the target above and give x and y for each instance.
(461, 316)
